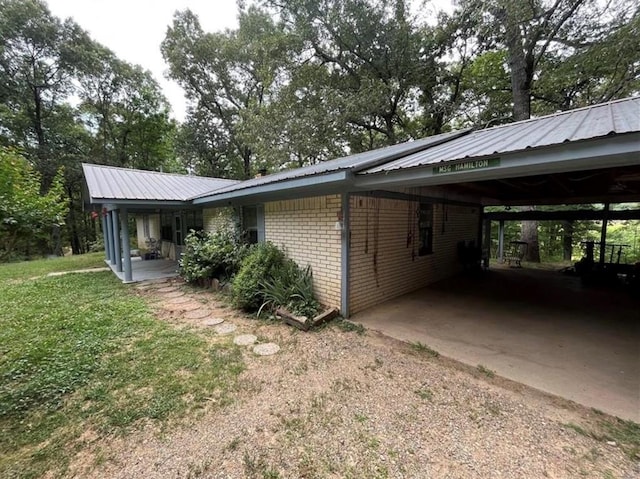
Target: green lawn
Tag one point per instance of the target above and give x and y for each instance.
(81, 352)
(40, 267)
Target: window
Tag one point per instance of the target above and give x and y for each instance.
(145, 226)
(193, 221)
(253, 223)
(250, 224)
(425, 229)
(166, 228)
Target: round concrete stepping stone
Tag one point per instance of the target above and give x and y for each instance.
(245, 340)
(190, 306)
(212, 321)
(179, 300)
(266, 349)
(174, 294)
(196, 314)
(167, 289)
(226, 328)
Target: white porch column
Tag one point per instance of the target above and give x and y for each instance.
(126, 247)
(116, 241)
(105, 236)
(112, 252)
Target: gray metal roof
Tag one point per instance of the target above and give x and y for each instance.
(353, 163)
(616, 117)
(111, 183)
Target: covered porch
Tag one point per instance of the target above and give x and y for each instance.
(144, 270)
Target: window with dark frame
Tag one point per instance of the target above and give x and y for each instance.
(166, 226)
(250, 224)
(425, 229)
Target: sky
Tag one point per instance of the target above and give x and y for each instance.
(134, 29)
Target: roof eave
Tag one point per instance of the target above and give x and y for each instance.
(281, 188)
(605, 152)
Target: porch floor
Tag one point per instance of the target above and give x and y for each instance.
(143, 270)
(540, 328)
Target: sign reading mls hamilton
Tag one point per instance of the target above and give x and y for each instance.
(466, 166)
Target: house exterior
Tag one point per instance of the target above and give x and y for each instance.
(380, 224)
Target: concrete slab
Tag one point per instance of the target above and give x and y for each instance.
(144, 270)
(540, 328)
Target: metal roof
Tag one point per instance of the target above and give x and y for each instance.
(112, 183)
(616, 117)
(353, 163)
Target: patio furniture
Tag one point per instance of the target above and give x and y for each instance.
(517, 251)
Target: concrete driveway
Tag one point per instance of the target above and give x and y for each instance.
(537, 327)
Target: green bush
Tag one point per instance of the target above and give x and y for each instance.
(211, 255)
(261, 263)
(268, 280)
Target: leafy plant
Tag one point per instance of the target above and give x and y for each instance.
(290, 287)
(211, 255)
(260, 264)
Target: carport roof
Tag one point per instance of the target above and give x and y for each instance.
(617, 117)
(112, 184)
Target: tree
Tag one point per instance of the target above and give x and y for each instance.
(25, 213)
(377, 63)
(228, 76)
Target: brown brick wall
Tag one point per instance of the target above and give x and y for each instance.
(305, 229)
(399, 269)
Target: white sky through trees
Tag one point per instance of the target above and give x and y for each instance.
(134, 29)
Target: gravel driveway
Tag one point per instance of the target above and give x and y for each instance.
(339, 404)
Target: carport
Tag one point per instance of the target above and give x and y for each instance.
(537, 327)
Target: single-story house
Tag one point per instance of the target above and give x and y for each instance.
(379, 224)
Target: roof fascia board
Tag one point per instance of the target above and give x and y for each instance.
(277, 189)
(143, 203)
(584, 155)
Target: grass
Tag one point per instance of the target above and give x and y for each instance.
(626, 434)
(349, 326)
(80, 354)
(424, 349)
(486, 371)
(40, 267)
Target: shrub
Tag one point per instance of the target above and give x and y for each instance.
(211, 255)
(261, 263)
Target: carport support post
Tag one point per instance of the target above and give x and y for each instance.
(116, 241)
(501, 241)
(487, 241)
(603, 233)
(126, 246)
(344, 256)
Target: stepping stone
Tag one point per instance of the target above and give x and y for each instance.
(212, 321)
(167, 289)
(227, 328)
(190, 306)
(266, 349)
(174, 294)
(245, 340)
(196, 314)
(179, 300)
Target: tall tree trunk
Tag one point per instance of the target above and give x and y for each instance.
(529, 233)
(567, 240)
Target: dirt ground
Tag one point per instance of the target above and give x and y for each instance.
(340, 404)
